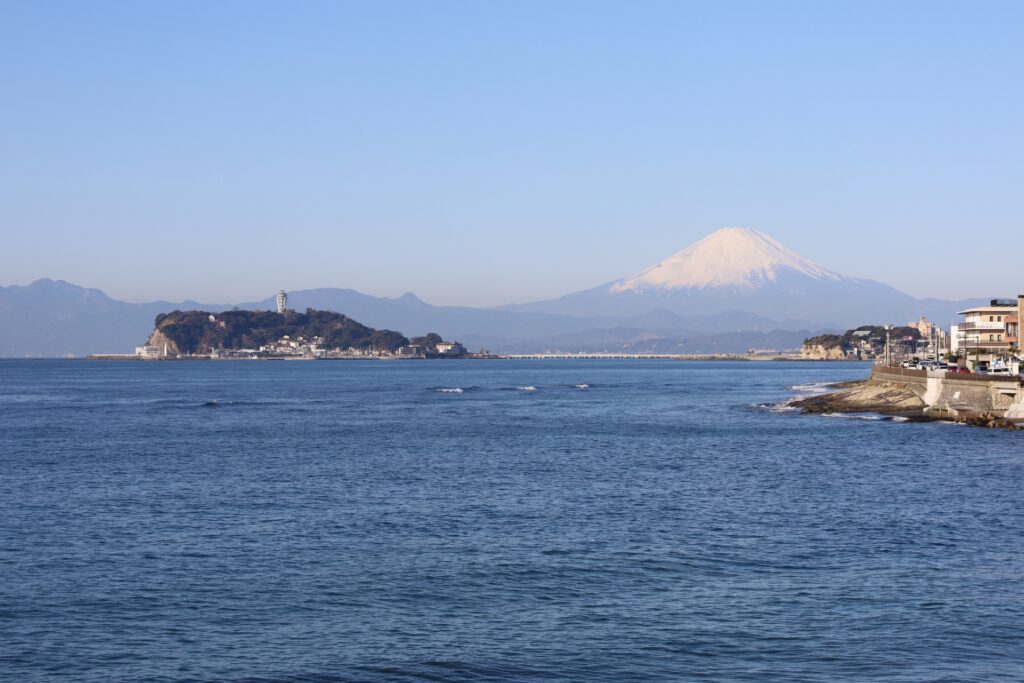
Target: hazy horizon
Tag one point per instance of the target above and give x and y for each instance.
(481, 155)
(258, 297)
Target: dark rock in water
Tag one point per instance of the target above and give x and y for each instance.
(990, 421)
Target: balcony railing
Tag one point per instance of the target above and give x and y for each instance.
(974, 344)
(982, 326)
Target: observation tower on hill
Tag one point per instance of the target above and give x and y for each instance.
(282, 301)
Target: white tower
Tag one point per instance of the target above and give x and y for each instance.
(282, 301)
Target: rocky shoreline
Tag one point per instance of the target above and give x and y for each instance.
(871, 396)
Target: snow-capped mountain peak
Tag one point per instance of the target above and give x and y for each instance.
(728, 257)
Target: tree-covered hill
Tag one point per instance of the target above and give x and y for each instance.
(871, 332)
(199, 332)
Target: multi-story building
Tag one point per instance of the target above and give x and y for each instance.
(409, 351)
(933, 338)
(990, 332)
(1013, 326)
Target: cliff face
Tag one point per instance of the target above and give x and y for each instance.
(822, 352)
(167, 346)
(199, 332)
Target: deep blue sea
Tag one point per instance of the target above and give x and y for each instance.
(495, 521)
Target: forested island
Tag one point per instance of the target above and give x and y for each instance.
(318, 334)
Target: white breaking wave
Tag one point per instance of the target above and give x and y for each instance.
(775, 407)
(582, 386)
(814, 389)
(738, 257)
(527, 388)
(855, 416)
(451, 390)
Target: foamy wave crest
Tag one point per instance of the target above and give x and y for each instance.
(582, 387)
(868, 417)
(528, 387)
(775, 407)
(450, 390)
(847, 416)
(811, 389)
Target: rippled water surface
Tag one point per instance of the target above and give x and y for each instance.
(493, 521)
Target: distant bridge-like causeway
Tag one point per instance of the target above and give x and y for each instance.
(638, 356)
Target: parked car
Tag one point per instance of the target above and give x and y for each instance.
(1002, 372)
(942, 366)
(962, 371)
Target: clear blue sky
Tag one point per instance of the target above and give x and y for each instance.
(483, 153)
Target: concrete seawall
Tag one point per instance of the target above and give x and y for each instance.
(949, 395)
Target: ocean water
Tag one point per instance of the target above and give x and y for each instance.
(495, 521)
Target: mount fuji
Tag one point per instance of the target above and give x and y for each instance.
(736, 271)
(729, 257)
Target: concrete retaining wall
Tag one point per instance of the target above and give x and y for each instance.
(958, 396)
(914, 380)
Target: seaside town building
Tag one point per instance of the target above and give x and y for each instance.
(449, 348)
(989, 333)
(147, 351)
(301, 347)
(933, 338)
(410, 351)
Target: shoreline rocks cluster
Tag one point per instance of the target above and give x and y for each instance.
(865, 397)
(872, 396)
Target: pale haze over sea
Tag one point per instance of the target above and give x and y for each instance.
(483, 154)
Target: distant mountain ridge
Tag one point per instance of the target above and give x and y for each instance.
(735, 289)
(50, 318)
